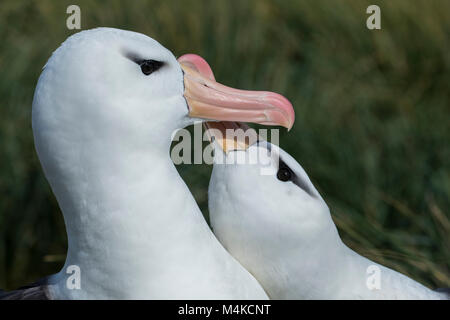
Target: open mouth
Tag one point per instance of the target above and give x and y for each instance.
(230, 135)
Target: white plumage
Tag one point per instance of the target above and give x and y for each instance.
(282, 232)
(102, 131)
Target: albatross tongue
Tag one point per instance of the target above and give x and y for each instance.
(231, 136)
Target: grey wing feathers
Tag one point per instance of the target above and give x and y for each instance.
(35, 291)
(445, 291)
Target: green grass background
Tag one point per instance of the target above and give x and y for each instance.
(372, 114)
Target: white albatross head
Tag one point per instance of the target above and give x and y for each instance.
(263, 186)
(265, 210)
(126, 85)
(121, 91)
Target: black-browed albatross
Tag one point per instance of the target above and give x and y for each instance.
(270, 217)
(104, 110)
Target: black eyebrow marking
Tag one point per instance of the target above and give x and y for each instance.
(296, 180)
(133, 57)
(281, 164)
(138, 60)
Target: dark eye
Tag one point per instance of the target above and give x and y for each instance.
(284, 174)
(150, 66)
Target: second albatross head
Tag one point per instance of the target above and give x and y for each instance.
(265, 210)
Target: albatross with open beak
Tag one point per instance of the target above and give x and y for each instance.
(104, 110)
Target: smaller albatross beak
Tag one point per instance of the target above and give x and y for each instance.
(208, 99)
(226, 135)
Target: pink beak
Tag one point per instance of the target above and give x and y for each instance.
(208, 99)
